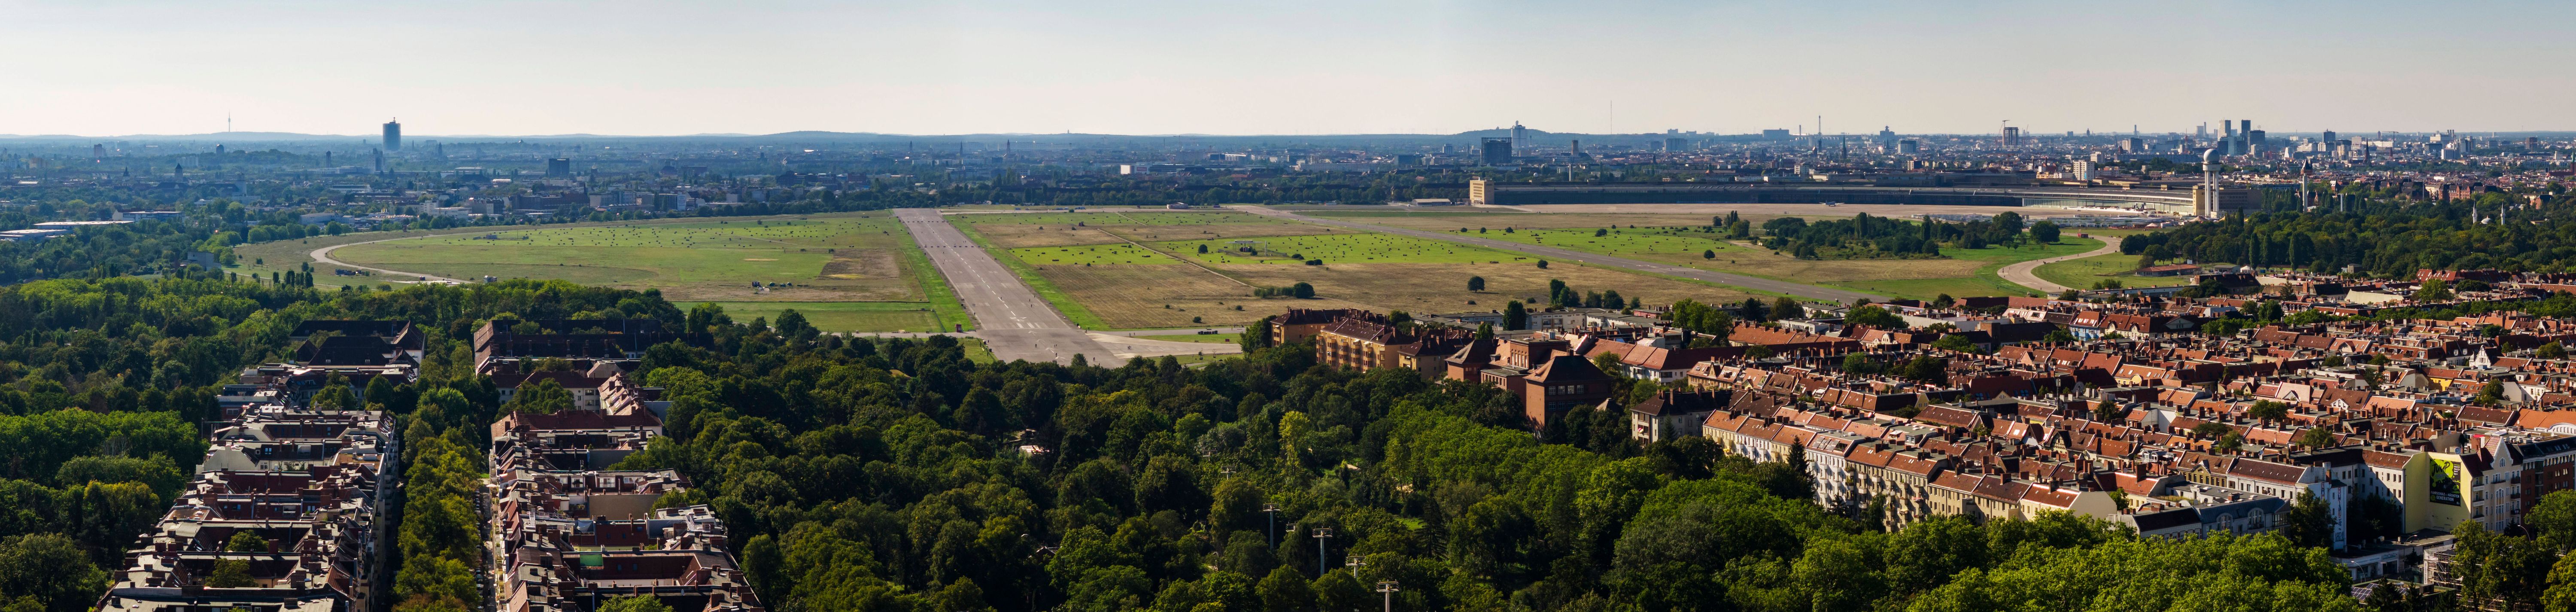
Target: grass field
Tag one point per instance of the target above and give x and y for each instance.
(2083, 273)
(840, 316)
(847, 272)
(1981, 281)
(1115, 285)
(1094, 254)
(1442, 287)
(835, 259)
(1074, 229)
(1965, 272)
(1339, 248)
(1663, 244)
(1201, 338)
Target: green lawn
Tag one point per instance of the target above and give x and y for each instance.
(1622, 242)
(1121, 216)
(1986, 282)
(2083, 273)
(661, 255)
(841, 316)
(1205, 338)
(1337, 248)
(976, 351)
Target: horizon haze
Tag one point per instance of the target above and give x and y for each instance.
(1339, 68)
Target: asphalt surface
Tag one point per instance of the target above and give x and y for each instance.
(323, 256)
(1013, 321)
(1840, 296)
(2025, 273)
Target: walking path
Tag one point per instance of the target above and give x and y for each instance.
(323, 256)
(2024, 273)
(1812, 292)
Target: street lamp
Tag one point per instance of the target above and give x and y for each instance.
(1322, 535)
(1388, 587)
(1355, 562)
(1271, 537)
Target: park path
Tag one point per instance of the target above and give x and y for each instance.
(1013, 321)
(323, 256)
(2025, 273)
(1812, 292)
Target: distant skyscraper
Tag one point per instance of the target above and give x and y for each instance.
(1520, 136)
(393, 135)
(2328, 137)
(1909, 146)
(2012, 136)
(559, 167)
(1498, 151)
(1676, 144)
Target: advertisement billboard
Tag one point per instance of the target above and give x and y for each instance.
(2444, 485)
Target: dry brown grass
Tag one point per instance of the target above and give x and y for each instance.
(1450, 222)
(1164, 233)
(1755, 260)
(1442, 287)
(1129, 297)
(1017, 235)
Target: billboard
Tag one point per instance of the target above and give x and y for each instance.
(2443, 487)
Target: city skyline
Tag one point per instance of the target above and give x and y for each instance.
(1151, 69)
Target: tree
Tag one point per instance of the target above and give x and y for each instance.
(2552, 350)
(1284, 590)
(2433, 290)
(1475, 283)
(1708, 321)
(1927, 370)
(2044, 231)
(1609, 363)
(792, 324)
(2268, 410)
(1708, 254)
(231, 574)
(246, 541)
(1785, 308)
(1302, 290)
(1515, 318)
(1874, 316)
(1685, 457)
(545, 396)
(51, 570)
(2553, 521)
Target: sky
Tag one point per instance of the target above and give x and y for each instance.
(469, 67)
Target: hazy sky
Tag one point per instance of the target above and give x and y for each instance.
(109, 67)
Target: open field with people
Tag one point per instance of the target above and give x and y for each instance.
(1686, 240)
(2086, 272)
(1118, 285)
(1442, 287)
(865, 260)
(1337, 248)
(1021, 230)
(1960, 272)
